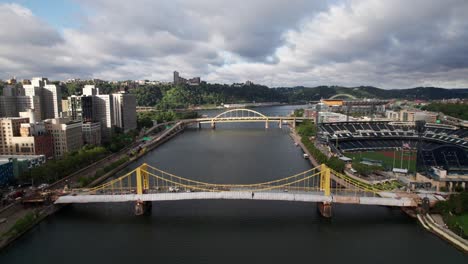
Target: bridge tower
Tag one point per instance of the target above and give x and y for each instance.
(142, 181)
(325, 208)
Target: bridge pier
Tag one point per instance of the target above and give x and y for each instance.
(281, 123)
(325, 209)
(213, 125)
(266, 124)
(143, 207)
(199, 125)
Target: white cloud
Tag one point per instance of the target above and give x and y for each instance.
(390, 44)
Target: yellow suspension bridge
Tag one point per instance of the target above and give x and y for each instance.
(147, 183)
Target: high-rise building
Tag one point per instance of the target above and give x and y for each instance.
(111, 111)
(103, 112)
(51, 100)
(50, 96)
(90, 90)
(92, 133)
(74, 107)
(87, 111)
(13, 90)
(20, 137)
(124, 111)
(11, 106)
(176, 77)
(180, 80)
(9, 128)
(67, 135)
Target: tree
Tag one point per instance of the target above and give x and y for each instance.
(366, 170)
(148, 95)
(299, 112)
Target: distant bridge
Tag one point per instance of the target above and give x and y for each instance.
(243, 115)
(146, 183)
(239, 115)
(343, 95)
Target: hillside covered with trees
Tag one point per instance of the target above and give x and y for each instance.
(455, 110)
(168, 96)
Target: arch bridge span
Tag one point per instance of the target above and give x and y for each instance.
(336, 96)
(244, 115)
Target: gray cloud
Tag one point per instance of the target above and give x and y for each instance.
(390, 44)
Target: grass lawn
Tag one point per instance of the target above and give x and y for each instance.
(387, 158)
(462, 220)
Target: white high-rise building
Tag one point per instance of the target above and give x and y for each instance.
(90, 90)
(104, 113)
(50, 96)
(124, 111)
(51, 101)
(110, 110)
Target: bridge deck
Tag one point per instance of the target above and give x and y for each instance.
(232, 195)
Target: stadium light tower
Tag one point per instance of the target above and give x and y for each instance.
(420, 128)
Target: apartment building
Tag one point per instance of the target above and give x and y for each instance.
(11, 106)
(67, 135)
(92, 133)
(20, 137)
(49, 94)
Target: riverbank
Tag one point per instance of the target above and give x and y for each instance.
(298, 140)
(427, 222)
(18, 212)
(439, 228)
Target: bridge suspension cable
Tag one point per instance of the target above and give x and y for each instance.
(147, 178)
(154, 179)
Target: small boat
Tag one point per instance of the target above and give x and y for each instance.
(305, 155)
(296, 144)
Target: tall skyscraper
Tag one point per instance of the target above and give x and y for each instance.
(11, 106)
(50, 95)
(176, 77)
(104, 113)
(124, 111)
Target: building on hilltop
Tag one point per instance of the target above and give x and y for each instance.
(180, 80)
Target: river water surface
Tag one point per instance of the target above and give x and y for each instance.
(230, 231)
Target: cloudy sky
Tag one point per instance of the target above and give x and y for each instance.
(389, 44)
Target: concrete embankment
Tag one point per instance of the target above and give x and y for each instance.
(443, 232)
(297, 140)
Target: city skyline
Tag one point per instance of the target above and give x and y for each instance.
(349, 43)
